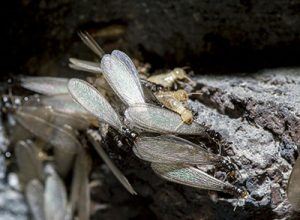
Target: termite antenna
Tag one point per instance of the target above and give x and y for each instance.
(89, 41)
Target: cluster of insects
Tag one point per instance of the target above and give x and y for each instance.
(153, 122)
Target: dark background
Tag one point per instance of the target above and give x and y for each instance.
(210, 36)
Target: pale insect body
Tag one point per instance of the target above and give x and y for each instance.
(174, 101)
(191, 176)
(155, 119)
(293, 191)
(168, 79)
(171, 149)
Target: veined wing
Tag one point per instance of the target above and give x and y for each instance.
(171, 149)
(63, 103)
(293, 191)
(58, 118)
(46, 85)
(92, 100)
(85, 65)
(190, 176)
(55, 198)
(34, 192)
(80, 191)
(62, 139)
(122, 80)
(118, 174)
(57, 136)
(89, 41)
(128, 62)
(30, 166)
(156, 119)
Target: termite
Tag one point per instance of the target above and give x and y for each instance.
(168, 79)
(174, 100)
(191, 176)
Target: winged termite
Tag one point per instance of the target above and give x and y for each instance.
(34, 192)
(180, 94)
(293, 191)
(121, 74)
(45, 85)
(57, 118)
(85, 65)
(80, 191)
(172, 101)
(62, 139)
(174, 150)
(95, 140)
(168, 79)
(55, 198)
(93, 101)
(118, 70)
(151, 118)
(29, 163)
(191, 176)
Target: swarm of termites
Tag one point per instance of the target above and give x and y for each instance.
(152, 122)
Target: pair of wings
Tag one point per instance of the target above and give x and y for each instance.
(122, 76)
(49, 200)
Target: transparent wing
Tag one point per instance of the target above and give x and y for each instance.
(58, 118)
(55, 198)
(122, 80)
(89, 41)
(118, 174)
(293, 191)
(34, 192)
(80, 196)
(57, 136)
(128, 62)
(151, 118)
(171, 149)
(64, 103)
(46, 85)
(29, 164)
(92, 100)
(85, 65)
(190, 176)
(62, 139)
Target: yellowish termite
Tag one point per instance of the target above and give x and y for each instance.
(176, 101)
(168, 79)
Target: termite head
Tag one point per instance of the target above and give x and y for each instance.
(179, 73)
(241, 193)
(187, 116)
(129, 133)
(181, 95)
